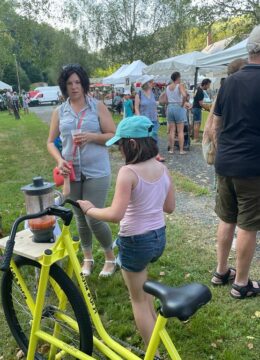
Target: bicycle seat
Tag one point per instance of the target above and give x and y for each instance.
(181, 302)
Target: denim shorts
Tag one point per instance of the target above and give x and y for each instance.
(176, 113)
(137, 251)
(196, 115)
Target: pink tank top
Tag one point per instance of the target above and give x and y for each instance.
(145, 209)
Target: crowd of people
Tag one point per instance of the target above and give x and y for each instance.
(183, 114)
(144, 188)
(11, 101)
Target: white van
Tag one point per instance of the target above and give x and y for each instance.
(45, 97)
(47, 88)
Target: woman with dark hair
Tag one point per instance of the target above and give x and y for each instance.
(176, 113)
(144, 191)
(88, 153)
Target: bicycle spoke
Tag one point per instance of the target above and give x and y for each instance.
(62, 320)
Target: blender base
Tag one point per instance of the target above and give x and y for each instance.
(43, 236)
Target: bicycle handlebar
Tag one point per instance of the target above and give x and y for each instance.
(60, 211)
(72, 202)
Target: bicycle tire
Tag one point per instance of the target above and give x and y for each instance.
(12, 297)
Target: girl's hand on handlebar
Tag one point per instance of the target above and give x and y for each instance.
(85, 205)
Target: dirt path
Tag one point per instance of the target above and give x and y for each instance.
(192, 165)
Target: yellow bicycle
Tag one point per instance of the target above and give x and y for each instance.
(49, 307)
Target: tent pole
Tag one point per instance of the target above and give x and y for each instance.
(196, 78)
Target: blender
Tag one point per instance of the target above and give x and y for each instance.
(38, 196)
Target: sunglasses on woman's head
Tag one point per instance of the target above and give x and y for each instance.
(71, 67)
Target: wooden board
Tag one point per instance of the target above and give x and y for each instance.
(25, 246)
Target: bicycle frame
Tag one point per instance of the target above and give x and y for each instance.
(66, 247)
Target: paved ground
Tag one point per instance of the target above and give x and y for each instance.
(192, 164)
(44, 112)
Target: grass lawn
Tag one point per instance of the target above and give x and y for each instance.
(224, 329)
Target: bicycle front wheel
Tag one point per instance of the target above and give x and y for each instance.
(19, 316)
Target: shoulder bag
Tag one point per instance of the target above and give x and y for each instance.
(208, 147)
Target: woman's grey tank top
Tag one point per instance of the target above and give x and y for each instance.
(174, 96)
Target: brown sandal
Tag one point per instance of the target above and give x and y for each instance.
(224, 278)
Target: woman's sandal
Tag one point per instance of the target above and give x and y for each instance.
(223, 279)
(108, 273)
(245, 291)
(87, 272)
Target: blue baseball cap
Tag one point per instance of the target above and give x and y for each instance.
(132, 127)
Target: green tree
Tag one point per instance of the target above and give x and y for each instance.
(24, 79)
(123, 30)
(10, 77)
(115, 24)
(40, 50)
(6, 44)
(239, 16)
(146, 29)
(33, 72)
(231, 8)
(6, 41)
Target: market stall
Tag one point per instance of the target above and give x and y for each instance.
(185, 64)
(224, 57)
(126, 74)
(4, 86)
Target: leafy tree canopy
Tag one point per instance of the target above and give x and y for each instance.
(116, 31)
(40, 50)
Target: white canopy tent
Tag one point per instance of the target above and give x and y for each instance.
(112, 79)
(186, 64)
(216, 63)
(224, 57)
(4, 86)
(132, 73)
(126, 74)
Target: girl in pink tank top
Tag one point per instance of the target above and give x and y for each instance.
(143, 193)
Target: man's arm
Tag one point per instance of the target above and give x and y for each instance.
(216, 127)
